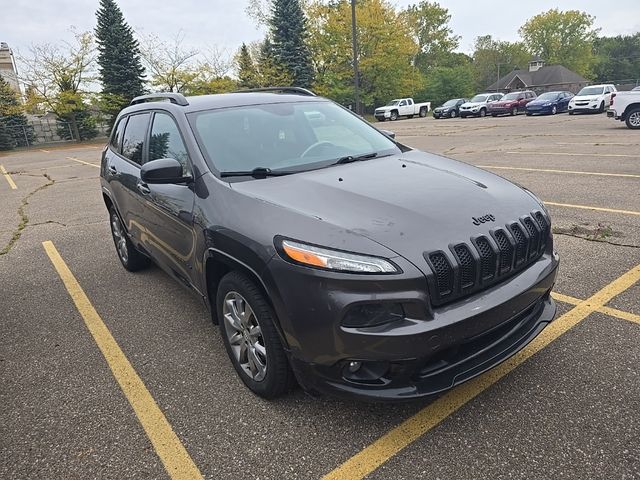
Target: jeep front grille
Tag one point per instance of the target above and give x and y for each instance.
(487, 259)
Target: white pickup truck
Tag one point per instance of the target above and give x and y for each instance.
(625, 106)
(402, 107)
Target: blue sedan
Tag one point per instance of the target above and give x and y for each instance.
(549, 103)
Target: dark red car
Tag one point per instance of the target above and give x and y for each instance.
(511, 103)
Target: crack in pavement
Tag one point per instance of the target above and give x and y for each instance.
(24, 219)
(600, 240)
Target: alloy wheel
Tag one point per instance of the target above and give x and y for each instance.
(634, 119)
(119, 238)
(245, 336)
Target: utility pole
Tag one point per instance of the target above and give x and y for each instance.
(356, 73)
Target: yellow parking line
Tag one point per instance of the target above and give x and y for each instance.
(587, 207)
(82, 161)
(575, 154)
(613, 312)
(174, 456)
(380, 451)
(8, 178)
(551, 170)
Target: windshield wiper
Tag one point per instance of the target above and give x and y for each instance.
(258, 172)
(351, 158)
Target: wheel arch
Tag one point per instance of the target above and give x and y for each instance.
(217, 265)
(629, 108)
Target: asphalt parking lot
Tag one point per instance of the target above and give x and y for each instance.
(108, 374)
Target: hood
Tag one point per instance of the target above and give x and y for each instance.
(387, 107)
(503, 103)
(541, 102)
(587, 97)
(473, 104)
(409, 203)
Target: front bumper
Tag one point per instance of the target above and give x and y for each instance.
(585, 107)
(500, 110)
(430, 350)
(535, 109)
(382, 115)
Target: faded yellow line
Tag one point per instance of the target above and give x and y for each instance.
(380, 451)
(551, 170)
(82, 161)
(174, 456)
(575, 154)
(613, 312)
(598, 209)
(8, 178)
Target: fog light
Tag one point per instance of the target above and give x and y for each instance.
(354, 366)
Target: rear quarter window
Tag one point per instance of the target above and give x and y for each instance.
(116, 135)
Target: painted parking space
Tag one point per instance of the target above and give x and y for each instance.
(566, 380)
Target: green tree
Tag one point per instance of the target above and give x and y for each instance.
(385, 50)
(429, 25)
(247, 74)
(493, 58)
(120, 67)
(271, 73)
(57, 77)
(445, 83)
(564, 38)
(289, 38)
(617, 58)
(16, 131)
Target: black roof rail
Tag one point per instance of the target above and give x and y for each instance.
(294, 90)
(175, 98)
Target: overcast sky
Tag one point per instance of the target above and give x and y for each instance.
(224, 23)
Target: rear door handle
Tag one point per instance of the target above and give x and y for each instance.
(113, 170)
(143, 188)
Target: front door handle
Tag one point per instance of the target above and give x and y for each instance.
(113, 170)
(143, 188)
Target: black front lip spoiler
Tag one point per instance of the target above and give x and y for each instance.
(524, 327)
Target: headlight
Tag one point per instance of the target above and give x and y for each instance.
(547, 105)
(334, 259)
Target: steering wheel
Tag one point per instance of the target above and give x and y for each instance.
(316, 145)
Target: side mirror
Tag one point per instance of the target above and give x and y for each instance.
(388, 133)
(163, 170)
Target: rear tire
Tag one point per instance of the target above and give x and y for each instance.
(633, 119)
(247, 326)
(128, 254)
(423, 112)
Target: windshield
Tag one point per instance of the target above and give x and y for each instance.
(549, 96)
(511, 96)
(450, 103)
(392, 103)
(591, 91)
(291, 136)
(479, 98)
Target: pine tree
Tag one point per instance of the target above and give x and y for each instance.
(121, 70)
(16, 131)
(247, 75)
(289, 37)
(271, 73)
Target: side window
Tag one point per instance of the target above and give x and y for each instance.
(166, 142)
(409, 102)
(116, 137)
(134, 136)
(403, 103)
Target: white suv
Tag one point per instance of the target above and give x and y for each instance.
(478, 104)
(595, 98)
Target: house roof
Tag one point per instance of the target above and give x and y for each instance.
(548, 75)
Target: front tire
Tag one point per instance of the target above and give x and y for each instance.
(247, 326)
(128, 254)
(394, 116)
(601, 109)
(633, 119)
(514, 111)
(554, 110)
(452, 114)
(483, 112)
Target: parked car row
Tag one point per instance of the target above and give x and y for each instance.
(595, 98)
